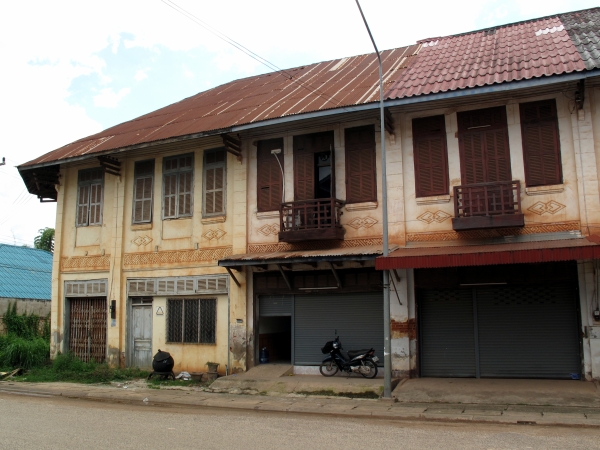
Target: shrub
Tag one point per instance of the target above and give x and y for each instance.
(25, 325)
(16, 351)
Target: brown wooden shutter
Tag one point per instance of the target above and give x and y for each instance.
(430, 156)
(304, 169)
(361, 172)
(214, 182)
(83, 201)
(269, 179)
(541, 143)
(143, 191)
(483, 144)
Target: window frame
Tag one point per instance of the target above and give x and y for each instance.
(199, 332)
(207, 166)
(372, 197)
(137, 175)
(418, 137)
(177, 173)
(261, 160)
(97, 181)
(553, 122)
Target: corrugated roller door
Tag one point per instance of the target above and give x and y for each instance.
(447, 345)
(356, 318)
(275, 305)
(528, 332)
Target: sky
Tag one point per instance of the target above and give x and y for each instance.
(74, 68)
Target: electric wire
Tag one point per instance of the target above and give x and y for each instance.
(253, 55)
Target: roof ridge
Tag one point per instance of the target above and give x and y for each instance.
(520, 22)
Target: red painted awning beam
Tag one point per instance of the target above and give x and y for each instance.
(483, 255)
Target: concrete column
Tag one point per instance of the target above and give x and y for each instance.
(402, 327)
(57, 304)
(395, 183)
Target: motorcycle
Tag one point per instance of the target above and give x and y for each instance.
(358, 361)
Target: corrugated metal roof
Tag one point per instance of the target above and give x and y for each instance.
(302, 255)
(554, 45)
(479, 255)
(25, 273)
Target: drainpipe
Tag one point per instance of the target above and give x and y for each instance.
(387, 351)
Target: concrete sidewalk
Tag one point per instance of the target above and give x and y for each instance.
(138, 393)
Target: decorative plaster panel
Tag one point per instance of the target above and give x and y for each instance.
(142, 240)
(178, 257)
(362, 222)
(437, 216)
(499, 232)
(214, 234)
(551, 207)
(84, 263)
(314, 245)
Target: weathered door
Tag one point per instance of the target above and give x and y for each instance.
(141, 327)
(87, 328)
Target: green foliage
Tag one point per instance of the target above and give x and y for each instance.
(25, 325)
(17, 351)
(69, 368)
(45, 240)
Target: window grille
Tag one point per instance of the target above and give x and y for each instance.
(90, 189)
(192, 321)
(178, 186)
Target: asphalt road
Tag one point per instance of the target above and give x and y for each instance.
(54, 423)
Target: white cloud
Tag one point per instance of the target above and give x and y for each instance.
(107, 98)
(186, 71)
(141, 74)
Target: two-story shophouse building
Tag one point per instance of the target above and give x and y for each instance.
(250, 215)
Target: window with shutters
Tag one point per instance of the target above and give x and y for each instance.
(269, 177)
(178, 186)
(430, 156)
(361, 172)
(90, 187)
(483, 146)
(192, 320)
(541, 143)
(142, 191)
(215, 171)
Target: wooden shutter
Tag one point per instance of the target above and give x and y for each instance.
(83, 201)
(185, 194)
(178, 186)
(361, 172)
(143, 190)
(269, 179)
(430, 156)
(95, 204)
(483, 145)
(541, 143)
(170, 196)
(304, 170)
(214, 182)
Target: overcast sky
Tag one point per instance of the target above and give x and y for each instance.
(73, 68)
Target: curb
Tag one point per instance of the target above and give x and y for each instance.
(275, 406)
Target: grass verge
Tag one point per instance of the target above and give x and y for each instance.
(70, 369)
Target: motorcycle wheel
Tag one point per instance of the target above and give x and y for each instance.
(372, 373)
(328, 368)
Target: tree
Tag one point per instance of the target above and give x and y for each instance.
(45, 240)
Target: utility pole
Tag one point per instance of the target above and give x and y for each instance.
(387, 343)
(3, 161)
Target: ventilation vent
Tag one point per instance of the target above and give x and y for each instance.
(90, 288)
(206, 284)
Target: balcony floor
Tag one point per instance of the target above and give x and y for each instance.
(485, 222)
(313, 234)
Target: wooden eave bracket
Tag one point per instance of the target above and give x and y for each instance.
(233, 146)
(110, 165)
(285, 277)
(388, 123)
(335, 274)
(235, 280)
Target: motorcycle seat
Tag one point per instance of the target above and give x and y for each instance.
(354, 353)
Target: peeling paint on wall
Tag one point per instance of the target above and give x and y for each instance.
(404, 329)
(237, 341)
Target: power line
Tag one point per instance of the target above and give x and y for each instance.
(250, 53)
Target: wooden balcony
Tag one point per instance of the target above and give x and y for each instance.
(309, 220)
(487, 205)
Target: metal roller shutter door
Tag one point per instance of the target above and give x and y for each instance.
(528, 332)
(447, 344)
(356, 318)
(275, 305)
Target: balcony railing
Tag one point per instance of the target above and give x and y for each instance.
(487, 205)
(310, 220)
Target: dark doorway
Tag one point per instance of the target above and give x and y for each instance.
(323, 172)
(275, 333)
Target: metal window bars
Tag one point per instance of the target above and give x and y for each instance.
(192, 321)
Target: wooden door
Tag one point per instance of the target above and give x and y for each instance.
(87, 328)
(141, 328)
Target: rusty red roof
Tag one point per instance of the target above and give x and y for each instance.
(555, 45)
(479, 255)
